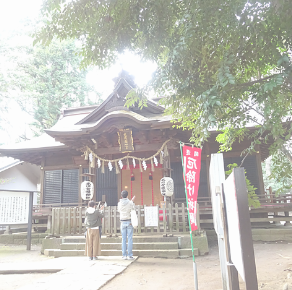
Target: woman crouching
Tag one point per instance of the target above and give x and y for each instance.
(93, 222)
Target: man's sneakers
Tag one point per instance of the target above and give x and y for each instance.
(95, 258)
(90, 258)
(128, 258)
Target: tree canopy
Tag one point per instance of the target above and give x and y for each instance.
(43, 80)
(221, 64)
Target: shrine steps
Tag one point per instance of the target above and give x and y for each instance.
(162, 247)
(115, 246)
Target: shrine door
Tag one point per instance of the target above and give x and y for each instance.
(145, 189)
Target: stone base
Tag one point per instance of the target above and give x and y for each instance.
(21, 238)
(50, 243)
(281, 233)
(200, 242)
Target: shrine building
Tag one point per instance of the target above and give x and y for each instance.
(120, 148)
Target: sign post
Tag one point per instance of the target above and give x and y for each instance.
(16, 208)
(191, 163)
(239, 228)
(217, 177)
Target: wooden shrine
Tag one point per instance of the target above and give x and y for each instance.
(121, 148)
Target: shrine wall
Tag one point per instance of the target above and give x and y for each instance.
(59, 161)
(23, 177)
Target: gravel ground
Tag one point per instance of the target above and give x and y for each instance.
(273, 262)
(19, 254)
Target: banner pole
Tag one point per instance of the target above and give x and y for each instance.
(194, 261)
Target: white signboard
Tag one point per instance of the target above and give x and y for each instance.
(233, 224)
(151, 216)
(14, 207)
(217, 177)
(166, 186)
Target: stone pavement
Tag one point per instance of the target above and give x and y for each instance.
(74, 273)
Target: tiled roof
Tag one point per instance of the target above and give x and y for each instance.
(42, 142)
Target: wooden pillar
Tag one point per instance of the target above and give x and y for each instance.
(80, 172)
(42, 180)
(166, 166)
(208, 158)
(167, 173)
(259, 170)
(29, 225)
(119, 185)
(49, 224)
(93, 180)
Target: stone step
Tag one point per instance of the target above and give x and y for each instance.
(71, 246)
(141, 253)
(118, 246)
(188, 252)
(159, 239)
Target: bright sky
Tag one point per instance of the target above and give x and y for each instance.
(12, 13)
(102, 80)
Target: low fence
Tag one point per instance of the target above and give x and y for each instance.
(273, 210)
(67, 219)
(172, 219)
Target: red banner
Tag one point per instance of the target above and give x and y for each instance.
(192, 167)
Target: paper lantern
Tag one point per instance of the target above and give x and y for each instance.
(166, 186)
(87, 190)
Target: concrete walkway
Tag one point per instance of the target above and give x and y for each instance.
(74, 273)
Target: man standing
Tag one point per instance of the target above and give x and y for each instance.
(93, 222)
(124, 208)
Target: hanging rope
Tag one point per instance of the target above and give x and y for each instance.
(152, 190)
(152, 166)
(87, 151)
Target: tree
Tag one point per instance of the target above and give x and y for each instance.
(221, 64)
(3, 91)
(277, 173)
(253, 199)
(43, 80)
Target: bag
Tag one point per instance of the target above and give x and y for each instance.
(134, 219)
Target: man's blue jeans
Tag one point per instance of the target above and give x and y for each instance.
(127, 232)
